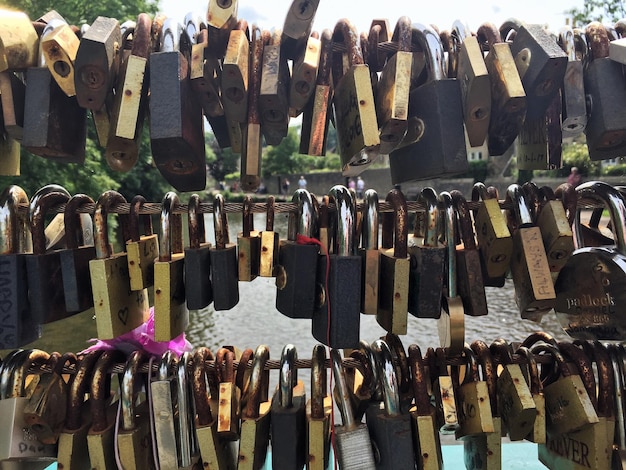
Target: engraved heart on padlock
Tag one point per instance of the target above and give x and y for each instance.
(122, 314)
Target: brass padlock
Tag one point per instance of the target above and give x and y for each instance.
(316, 114)
(318, 412)
(171, 316)
(574, 119)
(269, 242)
(19, 43)
(538, 432)
(234, 80)
(229, 396)
(248, 244)
(59, 47)
(304, 74)
(555, 229)
(221, 14)
(443, 390)
(353, 104)
(370, 254)
(297, 27)
(130, 102)
(142, 250)
(118, 308)
(508, 99)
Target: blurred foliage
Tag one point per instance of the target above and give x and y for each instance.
(597, 10)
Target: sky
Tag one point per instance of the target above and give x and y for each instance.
(271, 13)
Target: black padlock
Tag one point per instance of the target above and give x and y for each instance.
(198, 286)
(337, 318)
(75, 259)
(295, 287)
(18, 325)
(176, 124)
(437, 106)
(224, 266)
(288, 424)
(45, 280)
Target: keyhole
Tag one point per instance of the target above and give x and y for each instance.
(62, 68)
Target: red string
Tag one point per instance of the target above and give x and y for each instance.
(302, 240)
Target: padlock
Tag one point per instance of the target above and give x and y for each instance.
(18, 443)
(555, 229)
(229, 397)
(221, 14)
(274, 92)
(370, 253)
(255, 419)
(574, 119)
(12, 97)
(224, 263)
(353, 104)
(163, 395)
(403, 370)
(269, 242)
(234, 80)
(508, 99)
(538, 432)
(393, 88)
(603, 78)
(171, 316)
(540, 62)
(134, 442)
(475, 85)
(451, 323)
(288, 423)
(427, 445)
(248, 244)
(515, 401)
(588, 286)
(555, 132)
(19, 42)
(428, 260)
(469, 274)
(45, 280)
(336, 318)
(616, 355)
(59, 48)
(568, 406)
(118, 308)
(297, 27)
(473, 400)
(176, 125)
(393, 299)
(75, 259)
(316, 114)
(380, 32)
(188, 454)
(72, 451)
(251, 134)
(318, 413)
(494, 238)
(55, 126)
(142, 250)
(198, 285)
(130, 103)
(532, 145)
(45, 413)
(353, 447)
(484, 450)
(322, 222)
(18, 325)
(296, 287)
(389, 428)
(303, 73)
(214, 452)
(101, 435)
(534, 290)
(437, 107)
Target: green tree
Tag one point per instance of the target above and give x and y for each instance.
(597, 10)
(81, 11)
(285, 159)
(221, 161)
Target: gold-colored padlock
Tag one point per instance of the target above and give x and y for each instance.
(59, 48)
(555, 229)
(269, 242)
(248, 244)
(19, 43)
(142, 250)
(304, 74)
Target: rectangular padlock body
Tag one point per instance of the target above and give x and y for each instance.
(76, 278)
(18, 325)
(393, 437)
(354, 449)
(574, 106)
(55, 126)
(224, 274)
(572, 450)
(426, 289)
(219, 126)
(13, 114)
(546, 51)
(171, 316)
(471, 286)
(606, 124)
(344, 291)
(198, 287)
(176, 127)
(392, 301)
(45, 287)
(288, 434)
(441, 149)
(297, 298)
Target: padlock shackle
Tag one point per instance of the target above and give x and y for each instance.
(38, 212)
(136, 203)
(369, 363)
(19, 366)
(537, 337)
(400, 360)
(200, 391)
(429, 41)
(561, 364)
(288, 375)
(170, 35)
(606, 379)
(304, 221)
(257, 46)
(346, 34)
(101, 388)
(257, 379)
(142, 41)
(388, 377)
(318, 381)
(583, 365)
(184, 425)
(192, 24)
(450, 45)
(419, 380)
(616, 354)
(448, 223)
(428, 197)
(369, 220)
(14, 228)
(169, 361)
(170, 241)
(464, 220)
(225, 366)
(522, 213)
(567, 194)
(461, 31)
(345, 217)
(489, 372)
(397, 223)
(503, 350)
(511, 25)
(342, 394)
(220, 223)
(240, 379)
(128, 394)
(269, 213)
(79, 384)
(195, 223)
(488, 34)
(567, 42)
(72, 220)
(6, 369)
(326, 56)
(598, 40)
(403, 34)
(247, 216)
(104, 204)
(535, 385)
